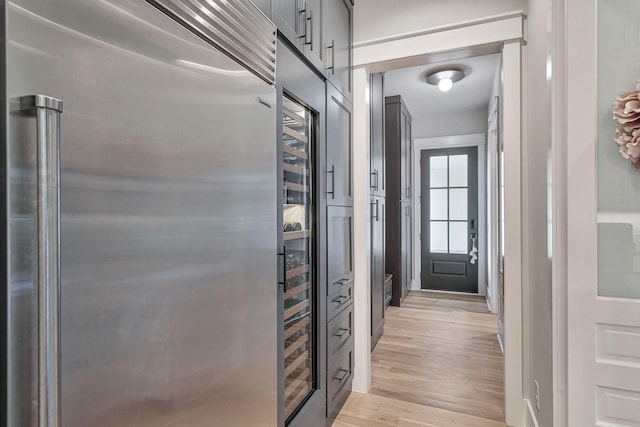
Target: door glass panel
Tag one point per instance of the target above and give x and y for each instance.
(458, 241)
(458, 204)
(618, 156)
(438, 205)
(438, 172)
(298, 234)
(458, 171)
(438, 237)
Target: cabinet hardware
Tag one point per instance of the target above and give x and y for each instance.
(342, 282)
(341, 299)
(375, 175)
(310, 19)
(342, 332)
(333, 181)
(376, 216)
(333, 57)
(342, 374)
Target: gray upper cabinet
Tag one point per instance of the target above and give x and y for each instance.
(286, 15)
(339, 149)
(300, 21)
(312, 35)
(377, 166)
(338, 40)
(265, 6)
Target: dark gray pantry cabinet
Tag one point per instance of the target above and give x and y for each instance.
(398, 258)
(315, 145)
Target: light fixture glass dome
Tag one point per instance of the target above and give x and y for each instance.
(445, 79)
(445, 84)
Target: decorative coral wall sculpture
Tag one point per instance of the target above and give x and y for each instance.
(626, 112)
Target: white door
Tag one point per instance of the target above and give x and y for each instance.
(603, 209)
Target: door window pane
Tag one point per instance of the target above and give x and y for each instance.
(458, 241)
(458, 204)
(438, 237)
(618, 183)
(438, 171)
(438, 205)
(458, 171)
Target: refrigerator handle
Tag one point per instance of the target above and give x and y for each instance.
(47, 112)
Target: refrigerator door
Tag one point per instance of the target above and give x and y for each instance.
(167, 211)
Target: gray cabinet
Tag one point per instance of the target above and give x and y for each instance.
(300, 21)
(377, 163)
(399, 232)
(338, 36)
(377, 268)
(265, 6)
(339, 307)
(339, 149)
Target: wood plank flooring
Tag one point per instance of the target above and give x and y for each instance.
(438, 364)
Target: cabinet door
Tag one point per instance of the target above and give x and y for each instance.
(339, 149)
(402, 191)
(265, 6)
(311, 33)
(408, 166)
(404, 231)
(377, 269)
(338, 40)
(408, 247)
(339, 249)
(377, 165)
(286, 16)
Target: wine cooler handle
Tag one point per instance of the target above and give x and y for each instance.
(47, 111)
(283, 254)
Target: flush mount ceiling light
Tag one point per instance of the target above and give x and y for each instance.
(445, 79)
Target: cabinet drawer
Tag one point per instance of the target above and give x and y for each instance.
(339, 300)
(339, 332)
(339, 376)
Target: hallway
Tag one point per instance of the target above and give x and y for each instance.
(438, 364)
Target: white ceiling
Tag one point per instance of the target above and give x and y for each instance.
(423, 99)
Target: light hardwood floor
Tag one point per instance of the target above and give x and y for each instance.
(438, 364)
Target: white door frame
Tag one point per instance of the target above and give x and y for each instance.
(412, 49)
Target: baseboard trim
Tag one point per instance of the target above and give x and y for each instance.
(532, 421)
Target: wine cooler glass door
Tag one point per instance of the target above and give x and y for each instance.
(299, 290)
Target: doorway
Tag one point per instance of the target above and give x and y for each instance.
(449, 219)
(496, 34)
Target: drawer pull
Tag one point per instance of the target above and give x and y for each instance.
(342, 282)
(341, 299)
(342, 332)
(342, 374)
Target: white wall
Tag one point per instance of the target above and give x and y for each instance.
(462, 123)
(492, 191)
(375, 19)
(537, 277)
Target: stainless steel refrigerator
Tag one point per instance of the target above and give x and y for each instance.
(139, 226)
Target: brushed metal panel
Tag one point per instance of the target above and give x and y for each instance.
(237, 27)
(168, 237)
